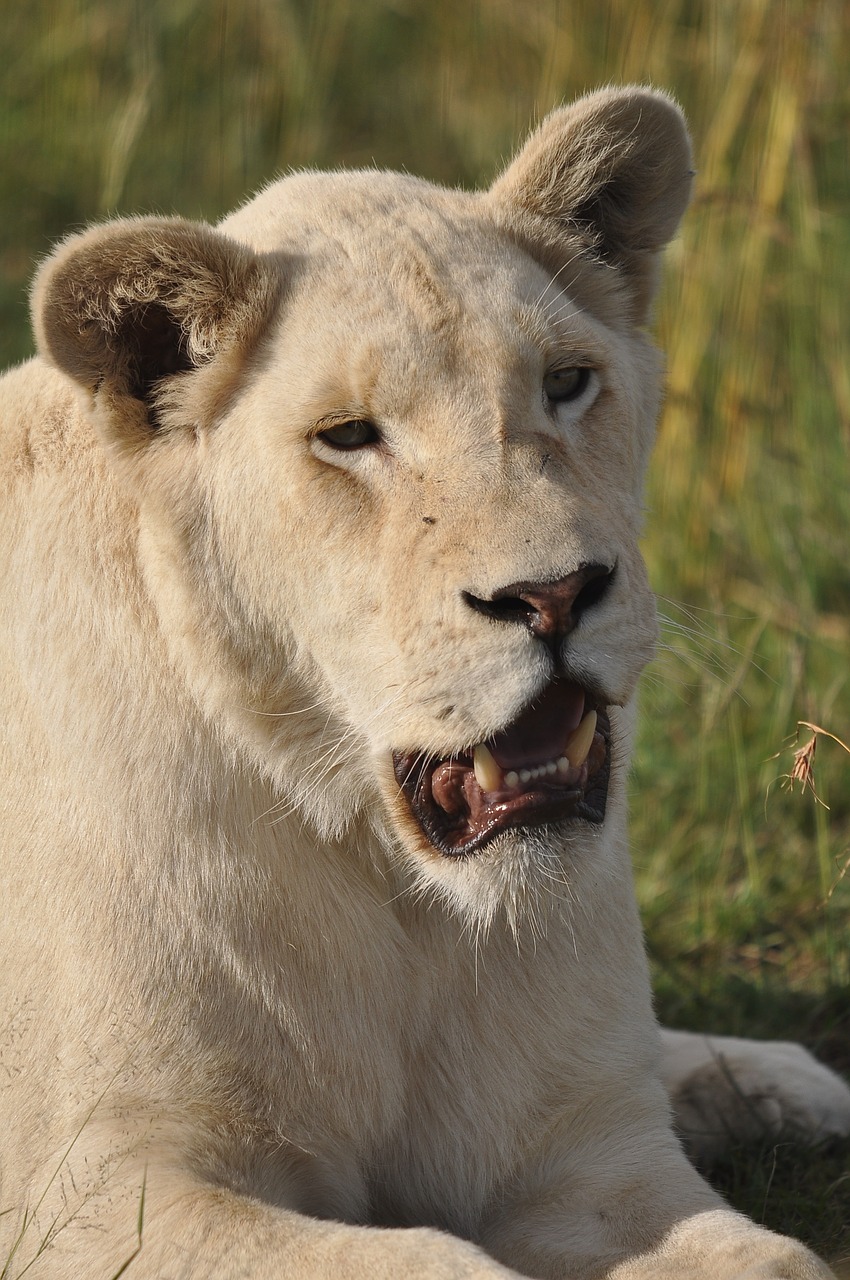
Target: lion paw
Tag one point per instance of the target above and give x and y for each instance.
(726, 1091)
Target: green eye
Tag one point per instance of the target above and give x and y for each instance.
(561, 385)
(350, 435)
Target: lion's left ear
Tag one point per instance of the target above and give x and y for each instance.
(613, 170)
(124, 306)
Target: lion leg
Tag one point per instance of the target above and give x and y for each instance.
(156, 1226)
(623, 1237)
(631, 1207)
(726, 1090)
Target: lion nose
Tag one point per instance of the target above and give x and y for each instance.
(549, 610)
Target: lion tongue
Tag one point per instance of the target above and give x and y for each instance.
(541, 731)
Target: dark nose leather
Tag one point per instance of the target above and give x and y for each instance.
(549, 610)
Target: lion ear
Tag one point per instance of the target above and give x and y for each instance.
(613, 169)
(124, 305)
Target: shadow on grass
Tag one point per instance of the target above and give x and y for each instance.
(737, 1004)
(800, 1191)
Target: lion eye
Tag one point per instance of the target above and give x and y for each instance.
(350, 435)
(566, 384)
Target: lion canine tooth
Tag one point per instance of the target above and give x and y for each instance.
(580, 741)
(487, 772)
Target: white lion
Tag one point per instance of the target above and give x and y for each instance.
(324, 617)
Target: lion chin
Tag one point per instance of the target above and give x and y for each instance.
(324, 615)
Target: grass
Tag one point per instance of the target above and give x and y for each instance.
(185, 105)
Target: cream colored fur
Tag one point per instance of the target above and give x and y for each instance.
(254, 1025)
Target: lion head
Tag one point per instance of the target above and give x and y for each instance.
(385, 444)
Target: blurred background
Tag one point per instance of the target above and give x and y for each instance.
(185, 106)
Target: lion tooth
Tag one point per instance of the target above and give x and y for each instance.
(577, 746)
(512, 779)
(487, 772)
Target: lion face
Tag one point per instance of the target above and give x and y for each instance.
(394, 462)
(460, 472)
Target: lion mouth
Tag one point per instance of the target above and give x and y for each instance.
(550, 764)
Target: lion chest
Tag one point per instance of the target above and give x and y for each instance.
(406, 1076)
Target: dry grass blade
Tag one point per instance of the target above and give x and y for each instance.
(803, 768)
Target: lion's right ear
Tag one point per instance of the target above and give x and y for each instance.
(124, 305)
